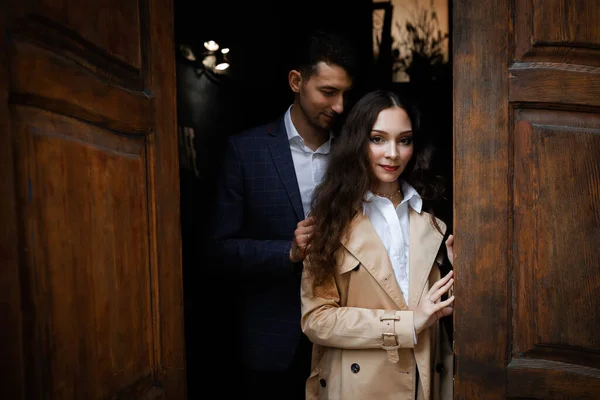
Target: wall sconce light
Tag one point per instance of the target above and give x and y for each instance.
(211, 45)
(216, 61)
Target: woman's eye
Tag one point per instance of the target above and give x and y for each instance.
(377, 139)
(406, 140)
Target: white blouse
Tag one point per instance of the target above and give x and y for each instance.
(391, 224)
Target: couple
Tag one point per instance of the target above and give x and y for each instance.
(317, 239)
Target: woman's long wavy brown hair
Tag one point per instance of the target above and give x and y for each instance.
(340, 196)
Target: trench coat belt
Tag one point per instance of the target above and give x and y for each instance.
(390, 340)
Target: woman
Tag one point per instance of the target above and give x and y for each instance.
(371, 288)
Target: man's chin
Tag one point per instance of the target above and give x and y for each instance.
(328, 125)
(325, 127)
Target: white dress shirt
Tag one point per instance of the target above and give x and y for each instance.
(309, 165)
(391, 224)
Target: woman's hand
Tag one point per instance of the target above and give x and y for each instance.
(450, 249)
(431, 308)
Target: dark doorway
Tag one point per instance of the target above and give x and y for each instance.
(213, 105)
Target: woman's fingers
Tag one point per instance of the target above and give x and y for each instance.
(441, 282)
(450, 249)
(438, 293)
(444, 312)
(444, 308)
(445, 303)
(441, 285)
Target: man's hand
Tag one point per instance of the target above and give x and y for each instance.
(302, 235)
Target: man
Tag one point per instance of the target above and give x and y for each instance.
(261, 230)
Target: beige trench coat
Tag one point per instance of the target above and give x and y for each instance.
(343, 322)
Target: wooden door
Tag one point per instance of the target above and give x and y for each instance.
(527, 199)
(91, 273)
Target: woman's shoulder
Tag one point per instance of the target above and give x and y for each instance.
(434, 222)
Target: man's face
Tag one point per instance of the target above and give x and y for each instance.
(321, 96)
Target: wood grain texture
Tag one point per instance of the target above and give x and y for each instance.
(78, 93)
(83, 195)
(90, 201)
(481, 197)
(555, 83)
(566, 32)
(99, 27)
(556, 232)
(168, 285)
(12, 382)
(572, 23)
(527, 219)
(541, 379)
(66, 42)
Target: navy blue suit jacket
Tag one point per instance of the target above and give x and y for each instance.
(259, 207)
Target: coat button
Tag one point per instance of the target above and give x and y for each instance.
(323, 382)
(355, 368)
(439, 367)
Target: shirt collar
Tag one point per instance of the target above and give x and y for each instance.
(294, 136)
(291, 130)
(411, 197)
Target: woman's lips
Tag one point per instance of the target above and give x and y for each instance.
(390, 168)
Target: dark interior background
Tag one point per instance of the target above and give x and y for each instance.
(254, 91)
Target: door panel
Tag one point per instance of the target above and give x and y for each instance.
(76, 93)
(87, 228)
(527, 149)
(556, 236)
(93, 174)
(98, 28)
(564, 31)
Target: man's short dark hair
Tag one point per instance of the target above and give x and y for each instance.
(329, 47)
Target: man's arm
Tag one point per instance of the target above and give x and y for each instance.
(233, 250)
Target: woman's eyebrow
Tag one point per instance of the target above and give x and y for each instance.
(382, 131)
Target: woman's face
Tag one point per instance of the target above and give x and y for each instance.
(390, 147)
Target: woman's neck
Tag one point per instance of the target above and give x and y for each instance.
(387, 188)
(390, 191)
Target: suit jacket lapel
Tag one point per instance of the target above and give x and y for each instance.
(279, 147)
(364, 244)
(425, 242)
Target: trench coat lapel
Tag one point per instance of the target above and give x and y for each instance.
(364, 244)
(425, 242)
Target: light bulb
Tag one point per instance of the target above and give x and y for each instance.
(211, 45)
